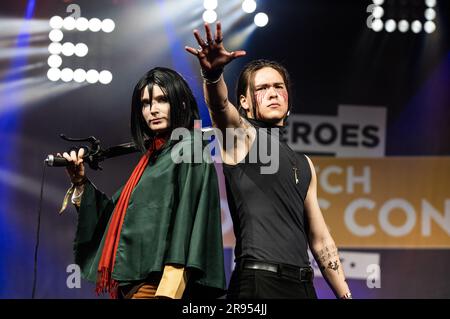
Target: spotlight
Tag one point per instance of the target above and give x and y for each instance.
(390, 25)
(68, 49)
(249, 6)
(430, 14)
(416, 26)
(95, 25)
(430, 3)
(403, 26)
(377, 25)
(105, 77)
(54, 61)
(209, 16)
(55, 35)
(429, 27)
(210, 4)
(377, 12)
(56, 22)
(108, 25)
(55, 48)
(79, 75)
(67, 75)
(92, 76)
(81, 49)
(261, 19)
(82, 24)
(69, 23)
(54, 74)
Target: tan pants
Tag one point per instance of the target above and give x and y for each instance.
(170, 284)
(141, 291)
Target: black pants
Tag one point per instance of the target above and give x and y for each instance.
(261, 284)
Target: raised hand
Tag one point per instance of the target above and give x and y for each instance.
(75, 169)
(211, 54)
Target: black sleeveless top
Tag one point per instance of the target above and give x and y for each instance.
(268, 209)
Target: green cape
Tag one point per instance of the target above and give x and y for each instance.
(173, 217)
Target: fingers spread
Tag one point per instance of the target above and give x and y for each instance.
(208, 33)
(191, 50)
(219, 37)
(199, 39)
(237, 54)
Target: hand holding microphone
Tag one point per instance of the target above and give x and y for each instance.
(75, 167)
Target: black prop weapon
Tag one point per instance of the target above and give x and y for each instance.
(94, 154)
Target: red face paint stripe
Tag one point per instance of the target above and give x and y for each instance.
(284, 94)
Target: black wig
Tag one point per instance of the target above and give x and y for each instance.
(183, 106)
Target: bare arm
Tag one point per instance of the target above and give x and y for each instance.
(321, 243)
(213, 57)
(222, 111)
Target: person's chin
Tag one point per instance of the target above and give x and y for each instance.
(274, 116)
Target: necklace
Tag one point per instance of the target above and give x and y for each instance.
(289, 152)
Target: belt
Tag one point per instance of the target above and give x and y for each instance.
(301, 273)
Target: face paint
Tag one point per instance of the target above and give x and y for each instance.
(269, 96)
(259, 96)
(283, 93)
(262, 94)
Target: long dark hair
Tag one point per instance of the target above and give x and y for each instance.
(183, 106)
(247, 79)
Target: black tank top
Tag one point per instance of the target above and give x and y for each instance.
(268, 209)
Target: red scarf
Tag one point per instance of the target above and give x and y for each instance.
(106, 264)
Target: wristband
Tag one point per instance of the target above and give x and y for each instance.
(213, 76)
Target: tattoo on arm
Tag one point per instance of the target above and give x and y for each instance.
(328, 258)
(334, 266)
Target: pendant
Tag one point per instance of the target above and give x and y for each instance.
(295, 174)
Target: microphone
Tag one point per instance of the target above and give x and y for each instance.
(60, 161)
(56, 161)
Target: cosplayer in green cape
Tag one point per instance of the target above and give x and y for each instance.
(159, 235)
